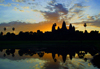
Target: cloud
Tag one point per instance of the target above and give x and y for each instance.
(1, 1)
(30, 20)
(52, 2)
(61, 8)
(21, 10)
(90, 17)
(55, 13)
(25, 7)
(15, 8)
(79, 5)
(93, 23)
(9, 4)
(17, 4)
(51, 16)
(76, 12)
(35, 10)
(58, 12)
(32, 0)
(87, 0)
(50, 8)
(22, 0)
(19, 0)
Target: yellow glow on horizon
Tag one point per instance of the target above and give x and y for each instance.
(89, 28)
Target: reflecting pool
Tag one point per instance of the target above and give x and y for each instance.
(48, 58)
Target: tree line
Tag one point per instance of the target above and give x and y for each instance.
(56, 34)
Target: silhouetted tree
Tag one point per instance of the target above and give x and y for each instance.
(8, 34)
(4, 28)
(1, 33)
(13, 29)
(31, 32)
(85, 25)
(21, 33)
(56, 34)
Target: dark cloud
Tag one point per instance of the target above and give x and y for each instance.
(55, 13)
(50, 8)
(51, 16)
(61, 8)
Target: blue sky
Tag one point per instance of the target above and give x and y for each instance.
(41, 11)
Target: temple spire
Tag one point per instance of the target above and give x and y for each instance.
(64, 26)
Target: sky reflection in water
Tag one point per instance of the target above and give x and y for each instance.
(45, 62)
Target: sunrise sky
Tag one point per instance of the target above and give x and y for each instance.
(33, 15)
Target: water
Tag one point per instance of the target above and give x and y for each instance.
(47, 58)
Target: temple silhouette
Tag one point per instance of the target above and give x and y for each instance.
(56, 34)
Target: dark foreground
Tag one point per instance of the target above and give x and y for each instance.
(76, 54)
(27, 44)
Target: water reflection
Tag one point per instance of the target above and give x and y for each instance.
(55, 58)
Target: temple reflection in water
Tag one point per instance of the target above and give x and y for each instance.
(56, 54)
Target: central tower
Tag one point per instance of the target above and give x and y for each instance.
(64, 26)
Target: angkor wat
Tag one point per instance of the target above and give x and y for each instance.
(59, 34)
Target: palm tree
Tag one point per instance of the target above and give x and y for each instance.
(4, 28)
(1, 33)
(13, 29)
(85, 25)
